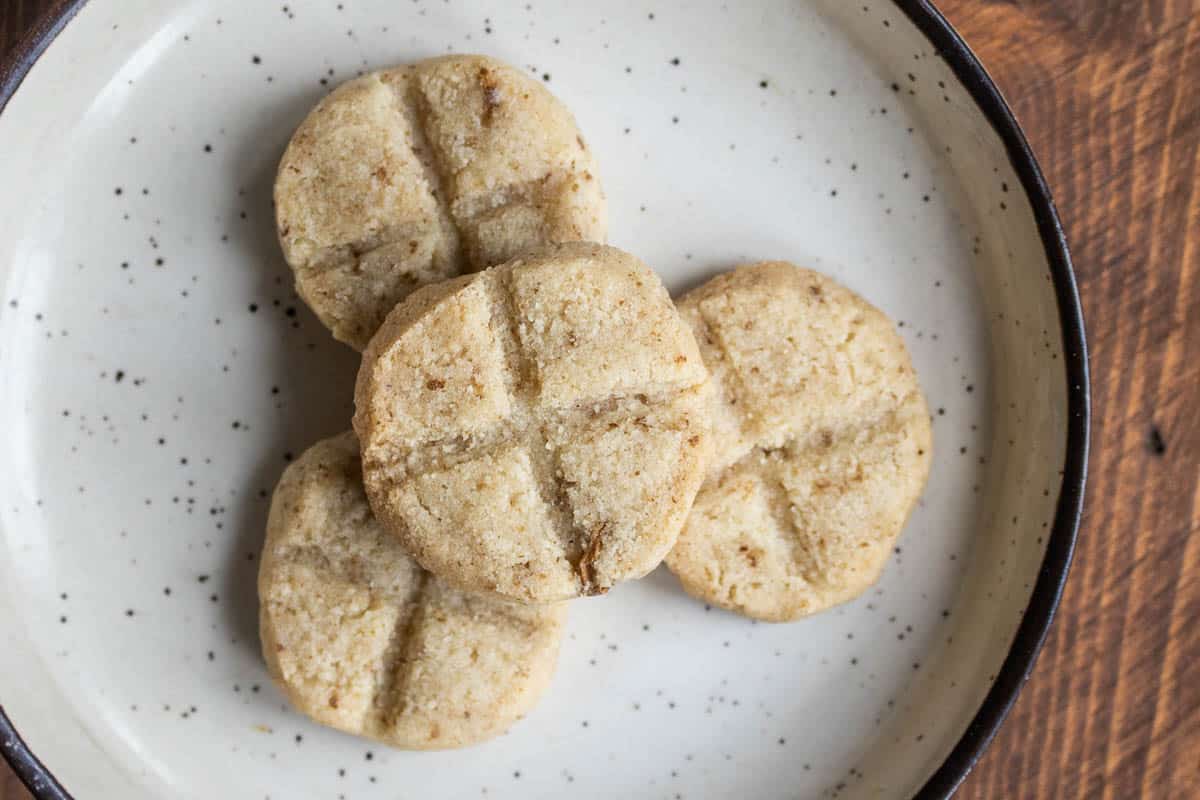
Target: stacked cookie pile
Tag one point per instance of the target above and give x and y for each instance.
(536, 421)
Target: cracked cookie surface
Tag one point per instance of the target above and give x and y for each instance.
(360, 638)
(821, 442)
(424, 172)
(538, 430)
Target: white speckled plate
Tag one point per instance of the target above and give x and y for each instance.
(159, 372)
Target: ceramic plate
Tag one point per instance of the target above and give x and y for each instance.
(159, 373)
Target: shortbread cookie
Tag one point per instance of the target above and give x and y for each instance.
(360, 638)
(420, 173)
(539, 429)
(821, 442)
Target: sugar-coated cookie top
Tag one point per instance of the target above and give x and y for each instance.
(420, 173)
(822, 443)
(539, 429)
(360, 638)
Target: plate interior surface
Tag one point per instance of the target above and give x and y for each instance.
(160, 373)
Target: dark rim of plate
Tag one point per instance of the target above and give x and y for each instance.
(1052, 576)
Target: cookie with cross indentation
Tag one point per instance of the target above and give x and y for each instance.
(822, 443)
(360, 638)
(421, 173)
(539, 429)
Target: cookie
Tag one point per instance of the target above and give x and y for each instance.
(821, 442)
(420, 173)
(538, 429)
(360, 638)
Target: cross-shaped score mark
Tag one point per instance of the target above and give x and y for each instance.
(542, 432)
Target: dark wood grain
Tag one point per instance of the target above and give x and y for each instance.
(17, 16)
(10, 787)
(1109, 94)
(1106, 91)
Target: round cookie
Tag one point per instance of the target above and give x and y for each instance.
(538, 429)
(423, 172)
(360, 638)
(821, 442)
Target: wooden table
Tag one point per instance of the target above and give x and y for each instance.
(1109, 94)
